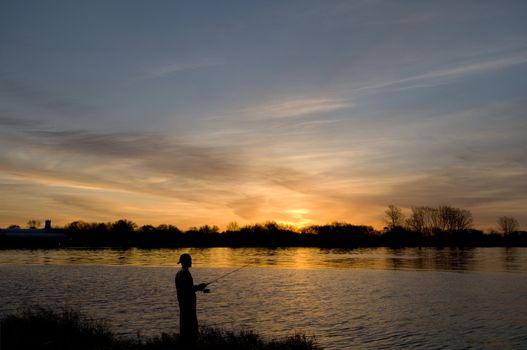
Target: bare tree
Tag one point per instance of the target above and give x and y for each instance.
(233, 226)
(508, 224)
(393, 216)
(445, 218)
(34, 223)
(416, 221)
(464, 220)
(453, 219)
(422, 220)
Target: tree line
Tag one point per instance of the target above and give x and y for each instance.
(436, 220)
(425, 226)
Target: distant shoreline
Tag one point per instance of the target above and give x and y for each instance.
(278, 240)
(124, 233)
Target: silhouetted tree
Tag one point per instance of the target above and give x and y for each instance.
(453, 219)
(147, 228)
(205, 235)
(233, 226)
(394, 216)
(13, 227)
(339, 234)
(161, 236)
(89, 234)
(34, 223)
(77, 226)
(508, 224)
(426, 226)
(123, 226)
(445, 218)
(421, 220)
(168, 228)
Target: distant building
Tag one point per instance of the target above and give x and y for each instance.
(46, 232)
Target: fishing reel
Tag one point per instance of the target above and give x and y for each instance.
(203, 288)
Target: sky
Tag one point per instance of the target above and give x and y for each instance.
(302, 112)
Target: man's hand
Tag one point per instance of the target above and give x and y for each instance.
(201, 286)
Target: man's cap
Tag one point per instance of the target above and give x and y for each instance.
(184, 258)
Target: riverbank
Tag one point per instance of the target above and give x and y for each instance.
(45, 328)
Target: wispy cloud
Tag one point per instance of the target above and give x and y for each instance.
(7, 121)
(86, 204)
(472, 68)
(469, 185)
(248, 207)
(447, 74)
(296, 107)
(179, 67)
(145, 151)
(28, 94)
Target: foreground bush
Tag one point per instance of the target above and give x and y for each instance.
(43, 328)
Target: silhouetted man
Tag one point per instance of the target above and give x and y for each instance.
(186, 296)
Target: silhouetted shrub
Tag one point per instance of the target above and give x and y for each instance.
(43, 328)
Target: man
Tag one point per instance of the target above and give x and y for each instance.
(186, 296)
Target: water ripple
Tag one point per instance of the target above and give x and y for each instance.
(362, 308)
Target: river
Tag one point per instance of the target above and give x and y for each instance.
(376, 298)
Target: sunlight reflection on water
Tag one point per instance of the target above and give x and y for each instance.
(366, 298)
(446, 259)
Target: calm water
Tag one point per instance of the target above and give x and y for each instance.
(362, 299)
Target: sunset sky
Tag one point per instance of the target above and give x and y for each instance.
(303, 112)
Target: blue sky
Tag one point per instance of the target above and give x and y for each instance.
(206, 112)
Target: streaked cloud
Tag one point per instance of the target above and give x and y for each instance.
(248, 207)
(12, 122)
(28, 94)
(179, 67)
(446, 74)
(296, 107)
(110, 154)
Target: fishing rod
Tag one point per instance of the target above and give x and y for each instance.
(206, 290)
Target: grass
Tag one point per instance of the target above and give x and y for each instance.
(44, 328)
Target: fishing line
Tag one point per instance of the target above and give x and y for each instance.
(223, 276)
